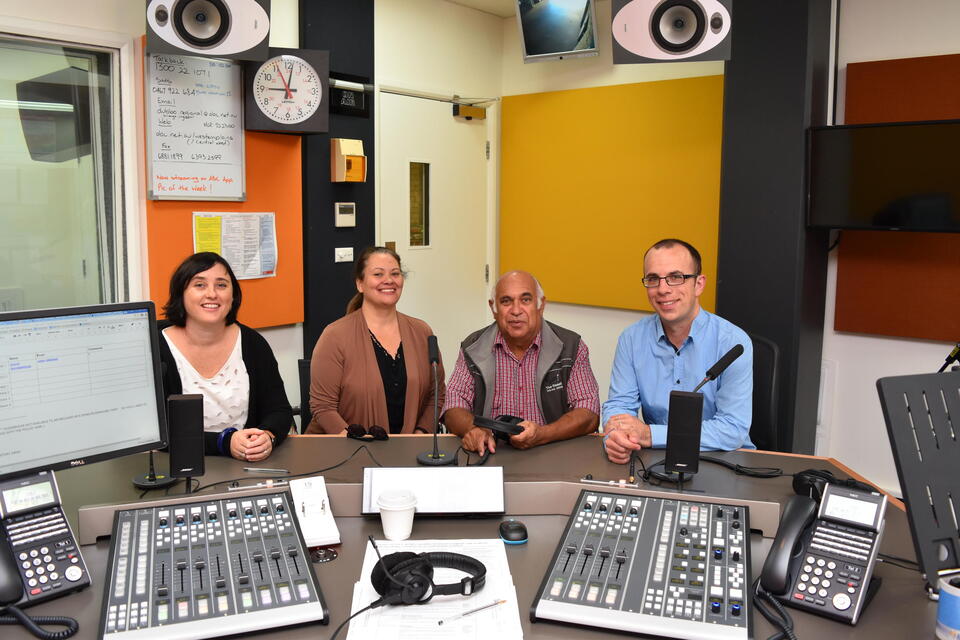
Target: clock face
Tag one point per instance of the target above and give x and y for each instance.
(287, 89)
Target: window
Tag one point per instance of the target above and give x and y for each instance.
(419, 204)
(62, 232)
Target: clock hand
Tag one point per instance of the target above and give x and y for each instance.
(286, 87)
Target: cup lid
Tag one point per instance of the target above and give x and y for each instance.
(397, 499)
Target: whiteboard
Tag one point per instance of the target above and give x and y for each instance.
(194, 128)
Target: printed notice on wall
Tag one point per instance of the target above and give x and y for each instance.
(247, 241)
(195, 128)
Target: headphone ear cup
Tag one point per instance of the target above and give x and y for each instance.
(380, 580)
(812, 482)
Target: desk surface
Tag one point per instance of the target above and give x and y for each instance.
(899, 610)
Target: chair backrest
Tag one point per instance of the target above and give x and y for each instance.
(305, 415)
(766, 361)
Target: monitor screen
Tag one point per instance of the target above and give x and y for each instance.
(78, 385)
(897, 176)
(556, 29)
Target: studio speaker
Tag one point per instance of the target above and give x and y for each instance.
(185, 426)
(683, 432)
(236, 29)
(670, 30)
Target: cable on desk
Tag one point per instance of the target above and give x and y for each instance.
(481, 460)
(290, 476)
(13, 615)
(367, 608)
(740, 470)
(777, 616)
(896, 561)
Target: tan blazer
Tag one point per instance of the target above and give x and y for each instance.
(345, 382)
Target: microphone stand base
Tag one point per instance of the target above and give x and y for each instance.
(158, 481)
(441, 459)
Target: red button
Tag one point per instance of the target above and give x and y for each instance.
(35, 591)
(798, 596)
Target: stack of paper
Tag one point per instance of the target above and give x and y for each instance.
(314, 511)
(421, 621)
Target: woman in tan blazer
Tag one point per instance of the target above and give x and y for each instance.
(371, 366)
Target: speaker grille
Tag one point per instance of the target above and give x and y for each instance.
(202, 23)
(678, 25)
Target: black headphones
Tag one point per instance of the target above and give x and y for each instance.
(407, 578)
(813, 482)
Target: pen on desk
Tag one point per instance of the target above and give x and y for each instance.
(472, 611)
(264, 470)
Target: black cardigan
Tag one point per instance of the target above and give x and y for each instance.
(268, 407)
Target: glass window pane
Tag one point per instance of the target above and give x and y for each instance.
(58, 237)
(419, 204)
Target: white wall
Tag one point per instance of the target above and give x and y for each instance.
(854, 430)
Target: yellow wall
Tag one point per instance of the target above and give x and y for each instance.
(592, 177)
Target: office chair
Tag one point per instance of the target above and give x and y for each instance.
(305, 416)
(766, 361)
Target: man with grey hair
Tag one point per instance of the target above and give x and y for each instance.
(522, 366)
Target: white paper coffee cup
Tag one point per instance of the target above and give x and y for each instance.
(396, 513)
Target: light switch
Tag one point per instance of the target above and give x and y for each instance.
(343, 254)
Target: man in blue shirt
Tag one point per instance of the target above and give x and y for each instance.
(672, 350)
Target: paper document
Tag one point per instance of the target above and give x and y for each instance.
(314, 511)
(438, 489)
(420, 621)
(247, 241)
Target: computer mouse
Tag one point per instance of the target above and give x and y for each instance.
(513, 532)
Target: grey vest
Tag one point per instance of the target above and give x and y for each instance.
(558, 352)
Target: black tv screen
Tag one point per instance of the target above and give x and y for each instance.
(896, 176)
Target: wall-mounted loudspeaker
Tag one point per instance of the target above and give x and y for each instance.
(236, 29)
(670, 30)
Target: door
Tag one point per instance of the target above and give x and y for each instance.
(436, 164)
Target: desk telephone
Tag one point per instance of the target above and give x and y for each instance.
(822, 560)
(40, 558)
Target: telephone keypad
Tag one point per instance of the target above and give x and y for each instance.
(33, 536)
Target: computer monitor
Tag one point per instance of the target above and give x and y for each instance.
(78, 385)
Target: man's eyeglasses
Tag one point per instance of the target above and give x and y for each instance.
(673, 279)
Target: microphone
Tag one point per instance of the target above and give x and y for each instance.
(685, 419)
(152, 479)
(436, 458)
(951, 358)
(721, 365)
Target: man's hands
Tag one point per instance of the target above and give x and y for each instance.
(627, 434)
(479, 440)
(251, 445)
(531, 436)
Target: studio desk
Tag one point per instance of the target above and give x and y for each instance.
(542, 485)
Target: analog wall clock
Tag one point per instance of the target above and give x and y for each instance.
(288, 92)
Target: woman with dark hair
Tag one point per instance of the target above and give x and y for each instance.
(371, 366)
(205, 350)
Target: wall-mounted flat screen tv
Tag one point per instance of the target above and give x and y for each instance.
(557, 29)
(895, 176)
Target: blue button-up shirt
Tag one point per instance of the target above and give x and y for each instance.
(647, 368)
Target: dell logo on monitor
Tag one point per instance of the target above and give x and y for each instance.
(77, 463)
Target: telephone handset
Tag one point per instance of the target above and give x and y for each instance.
(822, 559)
(39, 556)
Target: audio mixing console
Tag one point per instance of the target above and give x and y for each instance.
(207, 569)
(670, 568)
